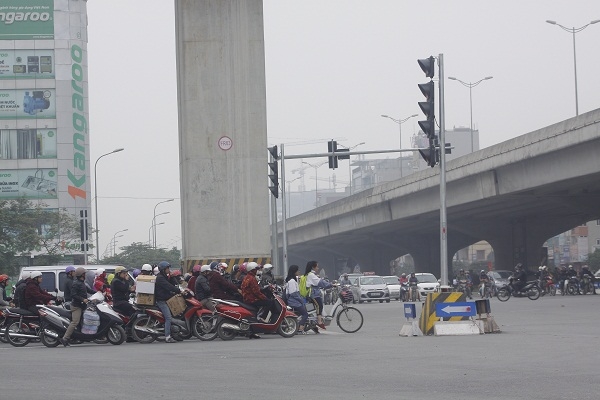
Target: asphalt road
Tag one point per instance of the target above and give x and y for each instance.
(548, 349)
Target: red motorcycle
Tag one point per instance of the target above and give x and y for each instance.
(239, 319)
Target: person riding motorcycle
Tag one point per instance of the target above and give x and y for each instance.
(202, 288)
(5, 301)
(412, 284)
(484, 280)
(585, 272)
(163, 291)
(120, 290)
(146, 269)
(345, 280)
(69, 271)
(34, 294)
(463, 282)
(252, 294)
(19, 293)
(519, 278)
(195, 272)
(222, 288)
(267, 275)
(79, 302)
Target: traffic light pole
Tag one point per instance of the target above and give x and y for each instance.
(274, 244)
(284, 216)
(442, 152)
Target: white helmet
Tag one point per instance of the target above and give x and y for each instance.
(99, 271)
(155, 271)
(267, 267)
(251, 265)
(147, 267)
(35, 274)
(26, 275)
(205, 268)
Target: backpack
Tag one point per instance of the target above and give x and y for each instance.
(304, 291)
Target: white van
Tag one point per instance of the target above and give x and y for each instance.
(54, 277)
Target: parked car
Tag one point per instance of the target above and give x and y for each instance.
(393, 284)
(428, 283)
(369, 288)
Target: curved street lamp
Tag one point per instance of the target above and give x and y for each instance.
(574, 31)
(316, 167)
(471, 86)
(400, 122)
(96, 202)
(154, 221)
(115, 237)
(349, 163)
(152, 227)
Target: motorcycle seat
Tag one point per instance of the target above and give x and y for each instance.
(61, 311)
(21, 311)
(244, 305)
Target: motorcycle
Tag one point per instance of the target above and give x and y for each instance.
(587, 286)
(55, 321)
(21, 327)
(547, 286)
(149, 323)
(530, 290)
(2, 325)
(239, 319)
(571, 286)
(464, 286)
(487, 289)
(403, 292)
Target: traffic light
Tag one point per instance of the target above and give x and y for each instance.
(431, 154)
(274, 175)
(332, 148)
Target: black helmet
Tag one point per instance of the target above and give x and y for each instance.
(163, 265)
(214, 265)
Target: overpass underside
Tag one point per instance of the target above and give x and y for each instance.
(514, 195)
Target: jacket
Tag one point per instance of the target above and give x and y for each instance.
(202, 288)
(293, 294)
(79, 292)
(251, 291)
(34, 294)
(192, 283)
(68, 288)
(163, 289)
(19, 294)
(220, 288)
(119, 290)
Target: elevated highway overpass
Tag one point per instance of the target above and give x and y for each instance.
(515, 195)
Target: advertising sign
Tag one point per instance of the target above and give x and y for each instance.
(20, 144)
(26, 64)
(28, 183)
(26, 19)
(27, 103)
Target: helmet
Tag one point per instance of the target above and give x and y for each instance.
(482, 270)
(80, 271)
(163, 265)
(176, 273)
(70, 268)
(251, 265)
(109, 278)
(155, 271)
(196, 268)
(119, 269)
(205, 268)
(570, 266)
(100, 271)
(544, 268)
(223, 265)
(214, 265)
(25, 275)
(540, 268)
(585, 267)
(461, 270)
(267, 266)
(35, 274)
(345, 275)
(136, 272)
(3, 278)
(146, 267)
(243, 267)
(403, 274)
(235, 268)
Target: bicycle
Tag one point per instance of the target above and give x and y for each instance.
(348, 318)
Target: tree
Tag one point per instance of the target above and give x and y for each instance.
(26, 227)
(594, 260)
(138, 254)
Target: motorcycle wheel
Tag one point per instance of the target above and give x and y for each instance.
(288, 327)
(503, 294)
(176, 333)
(225, 333)
(17, 327)
(203, 329)
(552, 290)
(116, 335)
(2, 326)
(143, 321)
(571, 289)
(533, 293)
(48, 340)
(102, 340)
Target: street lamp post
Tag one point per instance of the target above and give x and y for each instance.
(115, 237)
(289, 194)
(471, 86)
(316, 167)
(152, 227)
(154, 221)
(96, 202)
(349, 161)
(574, 31)
(400, 122)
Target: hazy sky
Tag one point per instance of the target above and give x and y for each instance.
(332, 68)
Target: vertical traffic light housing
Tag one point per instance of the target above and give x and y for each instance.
(332, 148)
(274, 175)
(431, 154)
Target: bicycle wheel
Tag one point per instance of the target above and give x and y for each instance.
(349, 319)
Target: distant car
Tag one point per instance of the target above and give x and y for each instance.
(428, 283)
(393, 284)
(597, 281)
(369, 288)
(500, 277)
(351, 277)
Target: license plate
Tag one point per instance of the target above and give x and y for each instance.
(378, 294)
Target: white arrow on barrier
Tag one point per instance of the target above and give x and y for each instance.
(456, 309)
